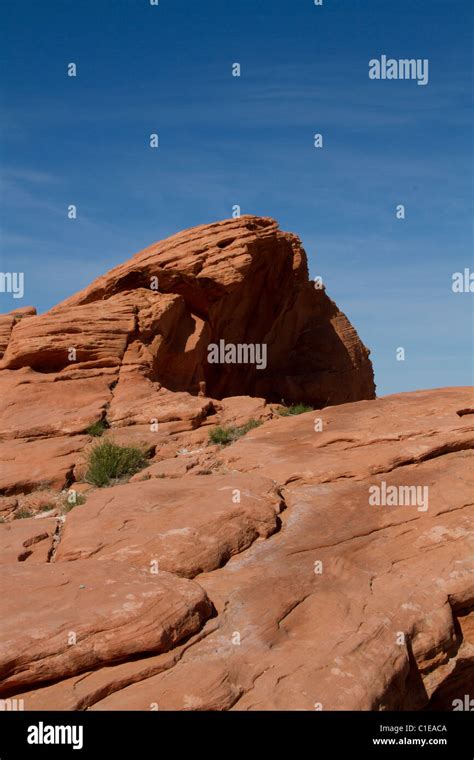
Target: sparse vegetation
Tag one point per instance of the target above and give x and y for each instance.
(286, 411)
(107, 462)
(250, 425)
(97, 428)
(223, 435)
(20, 514)
(68, 505)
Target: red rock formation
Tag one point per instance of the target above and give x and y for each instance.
(8, 321)
(124, 351)
(243, 281)
(334, 601)
(253, 576)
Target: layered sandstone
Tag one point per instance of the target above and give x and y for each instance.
(303, 594)
(256, 575)
(133, 346)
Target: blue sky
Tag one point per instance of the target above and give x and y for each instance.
(249, 141)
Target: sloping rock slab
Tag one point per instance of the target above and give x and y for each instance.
(185, 527)
(82, 615)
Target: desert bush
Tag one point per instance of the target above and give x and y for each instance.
(225, 435)
(20, 514)
(222, 435)
(286, 411)
(250, 425)
(107, 461)
(97, 428)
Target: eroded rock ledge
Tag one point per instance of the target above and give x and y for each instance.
(301, 594)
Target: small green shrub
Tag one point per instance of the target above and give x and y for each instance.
(222, 435)
(20, 514)
(225, 435)
(286, 411)
(107, 461)
(97, 428)
(250, 425)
